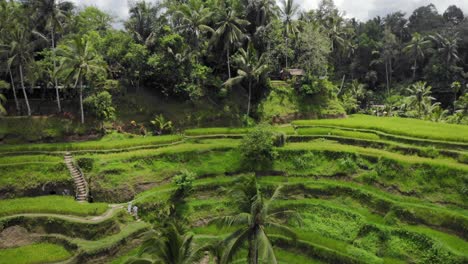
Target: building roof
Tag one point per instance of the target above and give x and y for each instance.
(294, 72)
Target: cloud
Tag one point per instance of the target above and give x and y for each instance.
(360, 9)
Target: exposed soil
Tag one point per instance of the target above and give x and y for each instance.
(16, 236)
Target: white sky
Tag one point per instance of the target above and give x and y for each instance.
(361, 9)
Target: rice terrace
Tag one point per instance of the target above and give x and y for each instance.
(233, 131)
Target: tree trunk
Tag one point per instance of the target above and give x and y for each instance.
(14, 92)
(81, 101)
(57, 94)
(24, 90)
(250, 97)
(342, 83)
(414, 69)
(286, 53)
(228, 63)
(388, 81)
(253, 250)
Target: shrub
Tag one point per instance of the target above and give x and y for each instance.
(184, 182)
(430, 152)
(257, 148)
(85, 164)
(463, 158)
(347, 165)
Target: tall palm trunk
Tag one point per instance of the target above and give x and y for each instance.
(24, 90)
(253, 249)
(81, 100)
(250, 97)
(14, 92)
(388, 80)
(57, 94)
(228, 63)
(414, 69)
(286, 53)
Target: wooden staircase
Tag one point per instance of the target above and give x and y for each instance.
(81, 186)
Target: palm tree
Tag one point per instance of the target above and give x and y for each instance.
(416, 48)
(420, 96)
(447, 48)
(55, 13)
(78, 60)
(251, 68)
(230, 31)
(289, 10)
(253, 229)
(264, 11)
(194, 18)
(170, 247)
(19, 54)
(142, 21)
(3, 85)
(8, 12)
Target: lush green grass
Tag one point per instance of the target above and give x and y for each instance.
(50, 204)
(23, 176)
(35, 253)
(108, 142)
(94, 247)
(336, 132)
(30, 129)
(232, 131)
(326, 145)
(399, 126)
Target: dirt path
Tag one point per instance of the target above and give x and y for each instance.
(89, 219)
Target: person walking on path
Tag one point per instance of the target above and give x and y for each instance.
(129, 208)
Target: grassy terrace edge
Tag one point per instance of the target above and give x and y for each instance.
(408, 127)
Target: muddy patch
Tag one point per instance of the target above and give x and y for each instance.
(16, 236)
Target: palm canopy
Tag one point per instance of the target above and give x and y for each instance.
(252, 228)
(416, 48)
(170, 247)
(251, 68)
(194, 18)
(79, 59)
(420, 96)
(289, 9)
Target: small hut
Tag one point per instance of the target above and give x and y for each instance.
(290, 73)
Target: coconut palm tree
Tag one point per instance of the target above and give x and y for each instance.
(230, 31)
(55, 14)
(289, 10)
(78, 60)
(8, 12)
(253, 227)
(170, 247)
(447, 48)
(3, 85)
(416, 48)
(251, 69)
(420, 96)
(142, 21)
(20, 47)
(194, 19)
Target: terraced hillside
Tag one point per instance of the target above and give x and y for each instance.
(384, 190)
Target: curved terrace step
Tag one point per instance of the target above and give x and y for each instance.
(81, 186)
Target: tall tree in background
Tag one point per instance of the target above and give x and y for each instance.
(251, 66)
(447, 51)
(78, 60)
(454, 15)
(21, 47)
(142, 21)
(289, 9)
(416, 49)
(229, 31)
(55, 15)
(195, 18)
